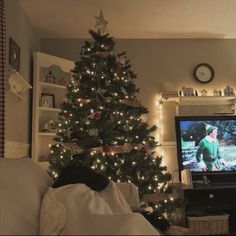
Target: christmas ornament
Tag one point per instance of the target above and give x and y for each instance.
(123, 59)
(67, 115)
(97, 115)
(144, 149)
(126, 147)
(93, 132)
(101, 24)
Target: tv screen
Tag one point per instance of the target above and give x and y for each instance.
(206, 144)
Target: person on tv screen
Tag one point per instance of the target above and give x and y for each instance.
(208, 151)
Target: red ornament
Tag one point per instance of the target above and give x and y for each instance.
(118, 64)
(144, 149)
(67, 115)
(97, 115)
(106, 149)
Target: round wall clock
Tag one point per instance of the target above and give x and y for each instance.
(203, 73)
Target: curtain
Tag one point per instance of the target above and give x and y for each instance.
(2, 75)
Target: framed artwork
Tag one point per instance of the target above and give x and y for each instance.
(47, 100)
(14, 55)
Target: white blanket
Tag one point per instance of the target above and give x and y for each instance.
(77, 210)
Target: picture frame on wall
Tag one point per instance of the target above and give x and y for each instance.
(48, 100)
(14, 55)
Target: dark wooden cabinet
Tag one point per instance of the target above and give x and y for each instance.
(211, 200)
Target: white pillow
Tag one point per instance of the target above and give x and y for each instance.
(22, 186)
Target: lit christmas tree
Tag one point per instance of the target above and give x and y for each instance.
(101, 123)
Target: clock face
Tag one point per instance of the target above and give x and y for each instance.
(203, 73)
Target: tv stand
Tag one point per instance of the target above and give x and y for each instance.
(211, 199)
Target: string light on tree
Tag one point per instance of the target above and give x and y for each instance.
(101, 111)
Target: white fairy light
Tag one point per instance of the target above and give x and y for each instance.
(49, 145)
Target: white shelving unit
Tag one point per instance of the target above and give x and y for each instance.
(43, 63)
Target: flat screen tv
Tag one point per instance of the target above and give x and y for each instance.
(206, 145)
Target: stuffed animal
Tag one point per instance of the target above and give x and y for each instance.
(73, 174)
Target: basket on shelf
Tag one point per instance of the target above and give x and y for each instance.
(208, 225)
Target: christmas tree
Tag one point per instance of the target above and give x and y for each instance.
(102, 125)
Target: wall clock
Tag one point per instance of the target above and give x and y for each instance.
(203, 73)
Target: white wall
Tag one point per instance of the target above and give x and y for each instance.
(18, 114)
(161, 60)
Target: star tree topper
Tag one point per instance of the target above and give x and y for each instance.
(101, 24)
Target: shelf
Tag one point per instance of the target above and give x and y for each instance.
(50, 85)
(47, 134)
(18, 85)
(43, 115)
(49, 109)
(200, 100)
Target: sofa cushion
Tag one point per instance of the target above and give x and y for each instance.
(22, 186)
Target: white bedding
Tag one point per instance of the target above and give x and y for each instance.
(77, 210)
